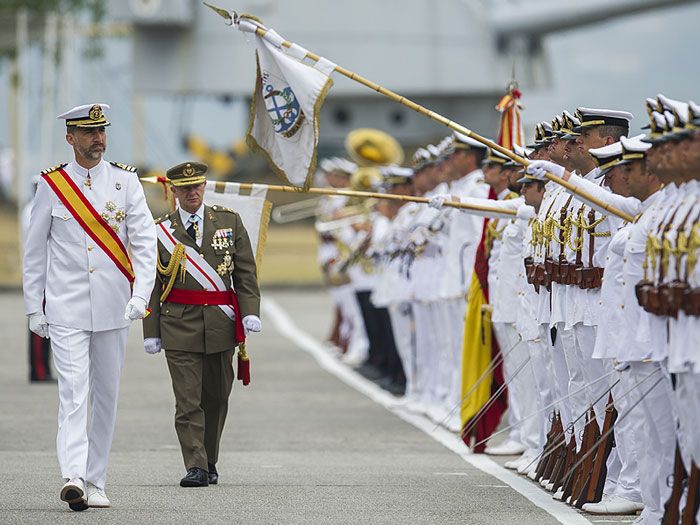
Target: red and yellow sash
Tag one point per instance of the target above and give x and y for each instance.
(91, 221)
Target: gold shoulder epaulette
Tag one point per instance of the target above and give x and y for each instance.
(54, 168)
(124, 167)
(216, 207)
(161, 218)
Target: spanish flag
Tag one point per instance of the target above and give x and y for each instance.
(480, 412)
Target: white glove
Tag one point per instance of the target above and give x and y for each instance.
(152, 345)
(135, 309)
(526, 212)
(439, 200)
(251, 323)
(538, 169)
(38, 324)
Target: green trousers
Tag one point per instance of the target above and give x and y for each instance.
(202, 384)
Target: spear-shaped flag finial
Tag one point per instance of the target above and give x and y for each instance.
(229, 16)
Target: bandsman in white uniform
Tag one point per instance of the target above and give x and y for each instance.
(90, 255)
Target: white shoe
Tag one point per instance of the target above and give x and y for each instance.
(559, 495)
(509, 448)
(528, 466)
(613, 505)
(514, 464)
(437, 413)
(532, 474)
(73, 493)
(544, 482)
(454, 423)
(96, 497)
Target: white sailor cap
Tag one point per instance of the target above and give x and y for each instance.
(693, 113)
(435, 152)
(543, 134)
(394, 175)
(680, 112)
(520, 151)
(86, 116)
(557, 122)
(421, 159)
(461, 141)
(632, 146)
(569, 122)
(606, 157)
(338, 164)
(658, 127)
(602, 117)
(494, 157)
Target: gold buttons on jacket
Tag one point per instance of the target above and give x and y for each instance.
(91, 270)
(90, 248)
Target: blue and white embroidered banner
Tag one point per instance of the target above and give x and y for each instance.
(286, 104)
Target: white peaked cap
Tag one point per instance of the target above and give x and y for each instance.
(680, 109)
(607, 151)
(634, 144)
(463, 139)
(86, 116)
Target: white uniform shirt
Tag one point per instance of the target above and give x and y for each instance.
(462, 237)
(196, 218)
(82, 286)
(633, 272)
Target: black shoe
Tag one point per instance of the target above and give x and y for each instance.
(213, 474)
(196, 477)
(78, 506)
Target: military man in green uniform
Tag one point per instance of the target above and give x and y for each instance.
(206, 299)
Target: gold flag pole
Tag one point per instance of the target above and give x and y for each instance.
(232, 16)
(364, 194)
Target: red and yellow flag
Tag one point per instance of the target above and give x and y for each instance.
(480, 413)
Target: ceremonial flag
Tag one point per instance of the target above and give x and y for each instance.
(479, 345)
(284, 114)
(252, 206)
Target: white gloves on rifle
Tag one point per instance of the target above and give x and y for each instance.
(439, 200)
(135, 309)
(152, 345)
(539, 168)
(525, 212)
(38, 324)
(251, 323)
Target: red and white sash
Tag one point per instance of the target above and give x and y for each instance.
(196, 266)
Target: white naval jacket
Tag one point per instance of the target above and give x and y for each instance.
(82, 286)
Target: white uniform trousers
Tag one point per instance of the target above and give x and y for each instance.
(401, 315)
(89, 365)
(629, 429)
(657, 443)
(593, 369)
(545, 379)
(688, 400)
(522, 396)
(456, 311)
(439, 384)
(560, 379)
(425, 339)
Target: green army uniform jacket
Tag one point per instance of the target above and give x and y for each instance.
(199, 328)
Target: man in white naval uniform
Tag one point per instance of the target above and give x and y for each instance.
(75, 293)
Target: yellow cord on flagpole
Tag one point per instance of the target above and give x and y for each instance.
(439, 118)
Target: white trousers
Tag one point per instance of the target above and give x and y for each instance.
(560, 379)
(456, 311)
(688, 400)
(440, 382)
(629, 429)
(545, 379)
(657, 443)
(89, 365)
(404, 336)
(424, 349)
(522, 393)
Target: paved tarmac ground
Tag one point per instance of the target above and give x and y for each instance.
(299, 446)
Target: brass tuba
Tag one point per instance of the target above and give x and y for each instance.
(373, 147)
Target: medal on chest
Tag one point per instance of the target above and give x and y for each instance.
(222, 240)
(113, 215)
